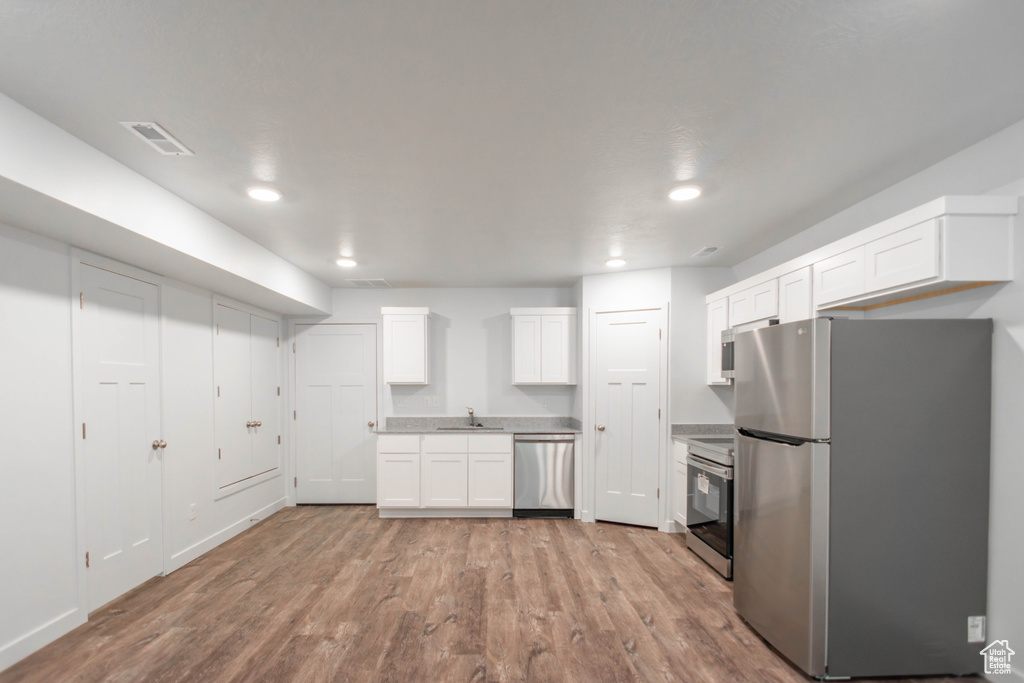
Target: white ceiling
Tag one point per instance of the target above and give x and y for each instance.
(520, 143)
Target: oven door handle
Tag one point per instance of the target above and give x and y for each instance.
(708, 467)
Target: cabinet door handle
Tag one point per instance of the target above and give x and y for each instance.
(249, 423)
(156, 445)
(600, 428)
(163, 444)
(257, 424)
(371, 423)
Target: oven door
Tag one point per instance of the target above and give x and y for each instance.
(709, 508)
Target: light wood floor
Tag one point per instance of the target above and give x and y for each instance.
(334, 593)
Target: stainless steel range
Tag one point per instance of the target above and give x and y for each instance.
(709, 500)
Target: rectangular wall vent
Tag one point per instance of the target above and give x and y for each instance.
(705, 251)
(157, 138)
(370, 284)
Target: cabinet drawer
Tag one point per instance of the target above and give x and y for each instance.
(445, 443)
(903, 257)
(490, 443)
(398, 443)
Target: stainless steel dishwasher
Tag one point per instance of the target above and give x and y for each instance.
(543, 475)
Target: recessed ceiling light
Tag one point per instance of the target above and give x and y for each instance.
(684, 193)
(264, 194)
(346, 262)
(615, 262)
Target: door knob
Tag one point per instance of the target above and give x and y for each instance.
(163, 444)
(600, 428)
(371, 423)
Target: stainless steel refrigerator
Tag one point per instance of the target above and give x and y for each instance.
(862, 480)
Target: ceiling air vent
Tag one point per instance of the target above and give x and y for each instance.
(370, 284)
(157, 138)
(705, 251)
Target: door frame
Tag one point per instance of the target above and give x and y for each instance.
(79, 258)
(292, 388)
(589, 409)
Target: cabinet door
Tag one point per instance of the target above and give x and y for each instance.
(526, 349)
(839, 277)
(232, 364)
(795, 296)
(741, 307)
(902, 258)
(718, 321)
(764, 300)
(266, 406)
(405, 349)
(679, 485)
(445, 480)
(398, 480)
(558, 342)
(490, 480)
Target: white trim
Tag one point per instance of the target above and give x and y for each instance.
(542, 311)
(393, 310)
(429, 513)
(183, 557)
(26, 644)
(949, 205)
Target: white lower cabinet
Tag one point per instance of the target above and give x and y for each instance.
(445, 480)
(679, 475)
(449, 472)
(398, 470)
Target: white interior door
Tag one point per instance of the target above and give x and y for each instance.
(121, 413)
(336, 399)
(627, 377)
(266, 404)
(232, 367)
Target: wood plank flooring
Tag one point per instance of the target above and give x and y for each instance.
(335, 594)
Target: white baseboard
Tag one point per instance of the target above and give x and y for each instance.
(183, 557)
(396, 513)
(22, 647)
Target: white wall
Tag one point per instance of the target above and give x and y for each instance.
(188, 428)
(692, 400)
(993, 166)
(470, 350)
(39, 534)
(39, 571)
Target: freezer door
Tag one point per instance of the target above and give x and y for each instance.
(782, 379)
(780, 546)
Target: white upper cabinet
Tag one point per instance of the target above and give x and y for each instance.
(903, 257)
(754, 303)
(718, 322)
(839, 277)
(795, 301)
(405, 345)
(543, 345)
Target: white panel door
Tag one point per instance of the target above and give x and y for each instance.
(628, 439)
(336, 419)
(266, 401)
(232, 364)
(121, 409)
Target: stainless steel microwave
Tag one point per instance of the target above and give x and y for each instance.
(729, 336)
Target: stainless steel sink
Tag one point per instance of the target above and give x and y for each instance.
(478, 428)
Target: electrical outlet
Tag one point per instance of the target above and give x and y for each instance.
(400, 402)
(192, 512)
